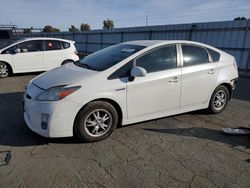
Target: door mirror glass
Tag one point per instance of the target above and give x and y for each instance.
(17, 50)
(138, 72)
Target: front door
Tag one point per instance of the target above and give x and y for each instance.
(30, 57)
(159, 90)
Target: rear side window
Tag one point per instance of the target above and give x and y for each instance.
(52, 45)
(194, 55)
(65, 45)
(30, 46)
(215, 55)
(159, 59)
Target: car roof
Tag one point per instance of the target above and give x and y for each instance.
(148, 43)
(45, 38)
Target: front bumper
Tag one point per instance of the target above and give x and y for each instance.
(61, 116)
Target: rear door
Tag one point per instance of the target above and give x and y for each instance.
(199, 75)
(30, 57)
(53, 55)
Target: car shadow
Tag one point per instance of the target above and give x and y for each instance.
(13, 129)
(27, 74)
(242, 89)
(206, 133)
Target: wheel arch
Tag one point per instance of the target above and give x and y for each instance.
(66, 61)
(229, 87)
(110, 101)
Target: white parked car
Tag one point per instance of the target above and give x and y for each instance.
(128, 83)
(36, 54)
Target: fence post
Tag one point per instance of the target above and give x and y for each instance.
(244, 46)
(150, 35)
(193, 27)
(122, 36)
(101, 40)
(86, 44)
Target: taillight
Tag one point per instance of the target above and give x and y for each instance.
(235, 65)
(76, 52)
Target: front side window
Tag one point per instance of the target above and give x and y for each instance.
(159, 59)
(194, 55)
(52, 45)
(30, 46)
(10, 50)
(108, 57)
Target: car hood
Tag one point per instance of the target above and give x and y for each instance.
(64, 75)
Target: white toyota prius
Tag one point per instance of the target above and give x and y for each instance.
(36, 54)
(128, 83)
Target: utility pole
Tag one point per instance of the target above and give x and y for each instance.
(146, 20)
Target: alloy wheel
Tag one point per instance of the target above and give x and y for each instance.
(4, 72)
(220, 99)
(98, 122)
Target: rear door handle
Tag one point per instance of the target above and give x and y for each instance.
(174, 79)
(212, 71)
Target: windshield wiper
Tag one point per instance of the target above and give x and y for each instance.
(84, 65)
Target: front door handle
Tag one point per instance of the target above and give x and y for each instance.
(212, 71)
(174, 79)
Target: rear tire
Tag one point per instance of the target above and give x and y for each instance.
(96, 121)
(4, 70)
(219, 100)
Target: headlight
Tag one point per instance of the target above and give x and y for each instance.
(56, 93)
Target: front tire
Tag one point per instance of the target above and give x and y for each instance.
(219, 100)
(96, 121)
(4, 70)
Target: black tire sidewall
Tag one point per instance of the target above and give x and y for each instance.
(83, 114)
(212, 108)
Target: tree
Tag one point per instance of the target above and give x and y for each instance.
(85, 27)
(240, 18)
(50, 29)
(108, 24)
(28, 30)
(73, 29)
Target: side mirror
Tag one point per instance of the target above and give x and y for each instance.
(17, 50)
(138, 72)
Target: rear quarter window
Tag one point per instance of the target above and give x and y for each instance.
(215, 55)
(65, 45)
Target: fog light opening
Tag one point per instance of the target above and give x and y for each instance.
(44, 121)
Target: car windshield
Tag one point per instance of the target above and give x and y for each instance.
(8, 43)
(108, 57)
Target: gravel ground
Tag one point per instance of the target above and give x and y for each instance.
(186, 150)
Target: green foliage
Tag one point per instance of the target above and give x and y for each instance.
(73, 29)
(85, 27)
(108, 24)
(240, 18)
(50, 29)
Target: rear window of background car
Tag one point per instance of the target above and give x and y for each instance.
(52, 45)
